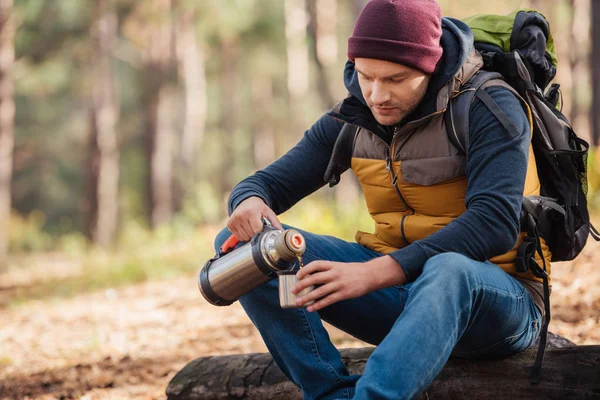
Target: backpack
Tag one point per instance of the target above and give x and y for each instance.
(519, 49)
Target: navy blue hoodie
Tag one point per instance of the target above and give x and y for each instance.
(495, 170)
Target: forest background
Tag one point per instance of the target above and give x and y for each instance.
(124, 125)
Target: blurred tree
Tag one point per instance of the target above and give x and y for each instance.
(52, 97)
(296, 22)
(229, 49)
(321, 26)
(579, 29)
(595, 68)
(347, 192)
(560, 16)
(150, 26)
(241, 31)
(268, 90)
(7, 112)
(103, 158)
(190, 64)
(264, 146)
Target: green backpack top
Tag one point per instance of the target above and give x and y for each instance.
(518, 48)
(507, 32)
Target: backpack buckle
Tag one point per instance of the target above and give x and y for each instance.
(525, 254)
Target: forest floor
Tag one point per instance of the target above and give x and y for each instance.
(128, 342)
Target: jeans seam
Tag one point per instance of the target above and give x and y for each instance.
(428, 376)
(318, 355)
(465, 354)
(519, 297)
(513, 295)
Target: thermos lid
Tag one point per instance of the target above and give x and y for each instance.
(295, 241)
(290, 244)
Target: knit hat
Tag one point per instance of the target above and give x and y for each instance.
(401, 31)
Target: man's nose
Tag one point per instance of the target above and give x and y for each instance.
(379, 95)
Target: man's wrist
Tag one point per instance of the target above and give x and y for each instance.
(386, 272)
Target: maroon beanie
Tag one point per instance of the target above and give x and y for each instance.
(401, 31)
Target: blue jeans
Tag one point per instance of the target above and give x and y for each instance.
(457, 307)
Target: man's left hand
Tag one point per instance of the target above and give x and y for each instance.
(342, 281)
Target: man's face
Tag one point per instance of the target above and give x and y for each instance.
(392, 91)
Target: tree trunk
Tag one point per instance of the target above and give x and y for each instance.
(191, 68)
(579, 45)
(574, 53)
(570, 372)
(319, 31)
(103, 167)
(230, 109)
(159, 152)
(191, 71)
(263, 140)
(7, 114)
(163, 155)
(297, 51)
(595, 69)
(159, 103)
(565, 54)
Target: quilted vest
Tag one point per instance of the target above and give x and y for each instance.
(417, 185)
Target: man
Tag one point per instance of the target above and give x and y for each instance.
(437, 277)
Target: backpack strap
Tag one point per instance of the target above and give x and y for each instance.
(457, 114)
(457, 128)
(341, 156)
(530, 246)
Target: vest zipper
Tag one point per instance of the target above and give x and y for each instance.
(389, 166)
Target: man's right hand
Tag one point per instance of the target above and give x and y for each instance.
(246, 219)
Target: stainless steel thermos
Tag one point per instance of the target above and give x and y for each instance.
(231, 274)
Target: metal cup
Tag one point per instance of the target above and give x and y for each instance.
(287, 299)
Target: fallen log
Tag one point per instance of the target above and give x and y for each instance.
(569, 371)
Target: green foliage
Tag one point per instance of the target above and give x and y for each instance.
(50, 123)
(593, 175)
(26, 233)
(203, 205)
(140, 256)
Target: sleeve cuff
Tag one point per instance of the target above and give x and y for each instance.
(235, 201)
(411, 259)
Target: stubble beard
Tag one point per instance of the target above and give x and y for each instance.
(403, 109)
